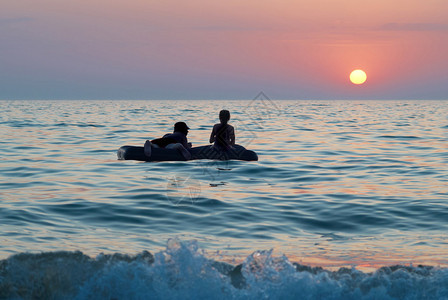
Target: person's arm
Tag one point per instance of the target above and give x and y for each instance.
(232, 136)
(213, 135)
(189, 144)
(185, 143)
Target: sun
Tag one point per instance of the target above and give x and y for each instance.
(358, 76)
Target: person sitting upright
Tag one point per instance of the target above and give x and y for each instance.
(176, 140)
(223, 134)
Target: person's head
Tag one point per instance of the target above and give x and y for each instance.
(224, 116)
(181, 127)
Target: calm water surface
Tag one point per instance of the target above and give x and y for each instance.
(338, 183)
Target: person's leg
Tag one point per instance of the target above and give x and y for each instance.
(178, 146)
(147, 148)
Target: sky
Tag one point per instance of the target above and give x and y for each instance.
(198, 49)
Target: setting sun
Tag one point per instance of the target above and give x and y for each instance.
(358, 76)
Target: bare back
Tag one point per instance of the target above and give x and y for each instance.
(223, 135)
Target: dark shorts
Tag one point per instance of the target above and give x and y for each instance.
(163, 142)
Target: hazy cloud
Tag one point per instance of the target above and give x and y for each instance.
(414, 27)
(7, 21)
(232, 28)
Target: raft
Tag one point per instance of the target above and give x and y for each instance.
(202, 152)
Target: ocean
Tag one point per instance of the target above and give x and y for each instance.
(349, 200)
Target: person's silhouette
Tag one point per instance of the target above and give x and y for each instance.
(223, 134)
(176, 140)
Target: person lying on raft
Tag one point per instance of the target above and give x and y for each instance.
(223, 134)
(176, 140)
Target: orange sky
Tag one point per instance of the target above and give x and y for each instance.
(223, 49)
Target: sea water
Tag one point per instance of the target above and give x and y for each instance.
(349, 200)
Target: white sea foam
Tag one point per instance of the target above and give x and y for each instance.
(181, 271)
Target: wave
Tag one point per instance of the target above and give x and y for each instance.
(182, 271)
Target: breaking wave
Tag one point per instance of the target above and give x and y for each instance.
(182, 271)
